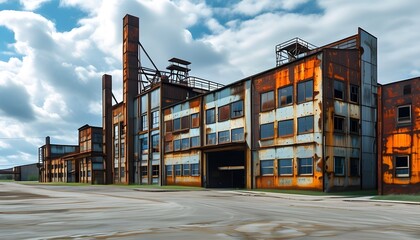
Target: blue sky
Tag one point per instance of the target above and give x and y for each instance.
(54, 52)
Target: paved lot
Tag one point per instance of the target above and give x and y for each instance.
(105, 212)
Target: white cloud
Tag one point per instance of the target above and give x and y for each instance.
(254, 7)
(31, 5)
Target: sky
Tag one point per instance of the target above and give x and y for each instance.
(54, 52)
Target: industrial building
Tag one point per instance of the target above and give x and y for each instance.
(311, 122)
(74, 163)
(399, 135)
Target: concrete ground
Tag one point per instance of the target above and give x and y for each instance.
(109, 212)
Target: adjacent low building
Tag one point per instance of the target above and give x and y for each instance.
(399, 137)
(74, 163)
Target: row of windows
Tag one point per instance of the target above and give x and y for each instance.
(144, 122)
(226, 112)
(235, 135)
(305, 166)
(304, 94)
(155, 171)
(285, 166)
(286, 127)
(183, 169)
(182, 144)
(186, 122)
(144, 146)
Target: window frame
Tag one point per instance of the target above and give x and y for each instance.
(407, 167)
(232, 134)
(300, 166)
(195, 124)
(262, 167)
(232, 115)
(354, 94)
(279, 134)
(223, 111)
(191, 142)
(305, 97)
(213, 117)
(207, 138)
(144, 122)
(305, 118)
(266, 137)
(336, 85)
(354, 122)
(183, 143)
(169, 168)
(176, 122)
(155, 148)
(155, 119)
(280, 167)
(280, 95)
(405, 120)
(341, 166)
(177, 142)
(227, 139)
(186, 169)
(339, 124)
(195, 169)
(269, 107)
(178, 169)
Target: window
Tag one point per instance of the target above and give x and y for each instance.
(407, 90)
(155, 170)
(195, 120)
(266, 167)
(338, 89)
(237, 109)
(305, 166)
(211, 139)
(185, 122)
(305, 91)
(178, 170)
(177, 124)
(224, 137)
(144, 124)
(237, 134)
(169, 171)
(185, 169)
(354, 167)
(224, 113)
(354, 93)
(168, 146)
(285, 167)
(195, 141)
(267, 130)
(155, 119)
(185, 143)
(339, 166)
(338, 124)
(155, 143)
(354, 125)
(155, 98)
(210, 116)
(285, 96)
(168, 126)
(402, 166)
(144, 146)
(267, 101)
(305, 124)
(143, 171)
(177, 145)
(143, 107)
(404, 114)
(285, 127)
(195, 170)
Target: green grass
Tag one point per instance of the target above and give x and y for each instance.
(401, 197)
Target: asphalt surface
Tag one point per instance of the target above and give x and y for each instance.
(109, 212)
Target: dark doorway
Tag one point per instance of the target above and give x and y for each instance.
(226, 169)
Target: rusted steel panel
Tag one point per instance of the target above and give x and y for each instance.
(400, 134)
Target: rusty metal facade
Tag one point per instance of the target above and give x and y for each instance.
(399, 134)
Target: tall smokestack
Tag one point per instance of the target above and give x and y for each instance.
(107, 126)
(130, 87)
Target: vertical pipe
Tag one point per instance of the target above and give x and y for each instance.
(107, 126)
